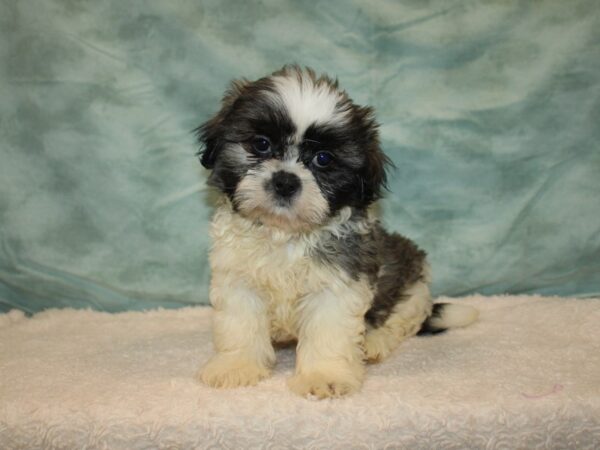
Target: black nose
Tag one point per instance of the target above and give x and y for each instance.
(285, 184)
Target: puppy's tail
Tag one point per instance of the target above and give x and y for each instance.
(448, 315)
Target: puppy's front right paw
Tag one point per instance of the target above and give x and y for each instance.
(225, 371)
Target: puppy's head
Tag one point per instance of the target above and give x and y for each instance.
(291, 149)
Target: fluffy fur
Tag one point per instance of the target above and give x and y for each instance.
(297, 254)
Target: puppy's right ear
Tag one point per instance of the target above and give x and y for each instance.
(208, 136)
(210, 133)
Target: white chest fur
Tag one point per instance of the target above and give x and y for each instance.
(272, 263)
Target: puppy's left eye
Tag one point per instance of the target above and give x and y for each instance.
(261, 145)
(322, 159)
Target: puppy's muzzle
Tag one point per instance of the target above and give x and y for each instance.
(285, 184)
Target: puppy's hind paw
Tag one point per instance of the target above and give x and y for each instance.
(376, 348)
(230, 372)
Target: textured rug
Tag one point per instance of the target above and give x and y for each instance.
(526, 375)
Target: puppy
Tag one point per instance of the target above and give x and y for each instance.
(298, 256)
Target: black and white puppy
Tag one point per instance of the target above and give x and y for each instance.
(297, 255)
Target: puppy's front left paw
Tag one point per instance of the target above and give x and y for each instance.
(323, 385)
(225, 371)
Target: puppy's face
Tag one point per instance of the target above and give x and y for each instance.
(291, 149)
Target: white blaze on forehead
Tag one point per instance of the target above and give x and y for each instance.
(308, 103)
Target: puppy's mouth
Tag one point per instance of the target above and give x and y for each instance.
(280, 215)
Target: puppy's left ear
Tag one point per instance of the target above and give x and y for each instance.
(210, 132)
(375, 180)
(374, 176)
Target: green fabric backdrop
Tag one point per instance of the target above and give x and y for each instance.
(490, 110)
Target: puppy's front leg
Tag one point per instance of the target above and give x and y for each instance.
(329, 360)
(241, 336)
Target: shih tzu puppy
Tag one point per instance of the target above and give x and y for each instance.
(298, 256)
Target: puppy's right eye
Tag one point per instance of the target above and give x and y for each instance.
(261, 145)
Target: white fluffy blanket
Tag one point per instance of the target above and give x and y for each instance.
(527, 375)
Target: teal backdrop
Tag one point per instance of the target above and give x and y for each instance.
(490, 111)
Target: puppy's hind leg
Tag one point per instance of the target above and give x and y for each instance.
(405, 320)
(414, 314)
(241, 336)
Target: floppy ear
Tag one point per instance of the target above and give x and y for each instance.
(210, 132)
(374, 177)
